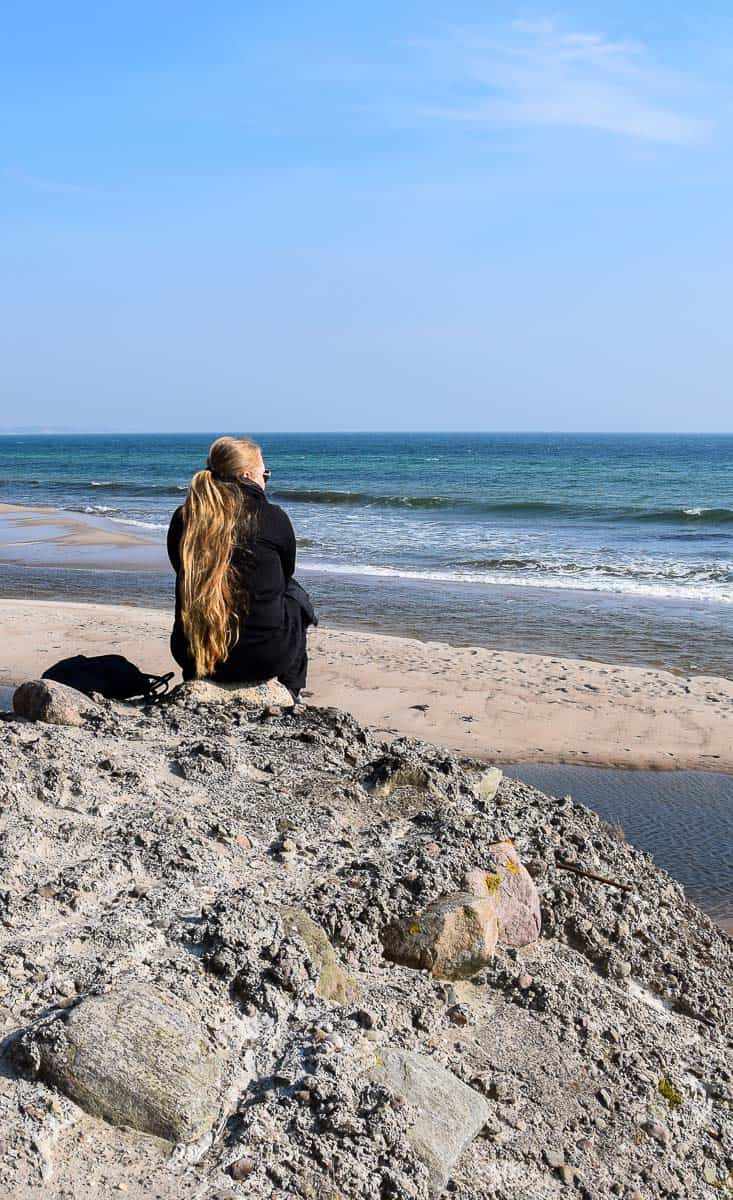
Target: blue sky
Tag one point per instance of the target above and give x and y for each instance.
(383, 216)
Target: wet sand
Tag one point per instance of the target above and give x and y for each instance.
(49, 537)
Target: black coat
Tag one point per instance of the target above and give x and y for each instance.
(271, 634)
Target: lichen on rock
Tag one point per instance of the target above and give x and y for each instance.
(453, 937)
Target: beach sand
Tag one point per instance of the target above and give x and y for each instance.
(499, 706)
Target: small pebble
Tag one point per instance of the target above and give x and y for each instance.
(656, 1130)
(242, 1168)
(554, 1159)
(365, 1018)
(458, 1014)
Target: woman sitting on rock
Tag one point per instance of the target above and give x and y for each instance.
(240, 615)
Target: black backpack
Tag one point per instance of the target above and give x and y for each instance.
(109, 674)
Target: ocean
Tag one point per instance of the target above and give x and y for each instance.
(616, 547)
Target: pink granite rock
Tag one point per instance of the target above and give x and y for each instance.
(513, 893)
(54, 703)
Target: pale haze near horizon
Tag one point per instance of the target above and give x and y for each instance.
(440, 217)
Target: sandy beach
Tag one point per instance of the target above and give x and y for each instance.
(495, 705)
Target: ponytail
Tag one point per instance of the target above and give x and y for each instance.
(216, 518)
(208, 602)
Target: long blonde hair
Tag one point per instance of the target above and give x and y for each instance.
(215, 519)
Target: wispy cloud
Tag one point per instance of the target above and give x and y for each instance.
(537, 74)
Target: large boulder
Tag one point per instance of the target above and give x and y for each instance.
(512, 891)
(449, 1114)
(333, 983)
(256, 695)
(54, 703)
(138, 1058)
(453, 937)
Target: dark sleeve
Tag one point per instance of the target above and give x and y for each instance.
(285, 542)
(175, 533)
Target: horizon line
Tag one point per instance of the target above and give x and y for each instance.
(41, 432)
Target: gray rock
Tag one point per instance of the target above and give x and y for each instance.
(554, 1159)
(449, 1113)
(656, 1130)
(51, 702)
(136, 1058)
(271, 693)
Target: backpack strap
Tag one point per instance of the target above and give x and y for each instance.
(157, 686)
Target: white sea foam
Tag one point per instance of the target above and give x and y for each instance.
(139, 524)
(659, 589)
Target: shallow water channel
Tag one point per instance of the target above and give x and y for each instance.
(683, 818)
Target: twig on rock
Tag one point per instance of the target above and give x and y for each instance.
(568, 866)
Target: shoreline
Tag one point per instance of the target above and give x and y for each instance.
(494, 705)
(54, 554)
(54, 537)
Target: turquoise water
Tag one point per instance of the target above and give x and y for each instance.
(578, 544)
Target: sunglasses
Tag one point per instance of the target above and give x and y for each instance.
(266, 473)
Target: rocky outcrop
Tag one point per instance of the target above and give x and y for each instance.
(51, 702)
(401, 769)
(193, 899)
(453, 937)
(254, 695)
